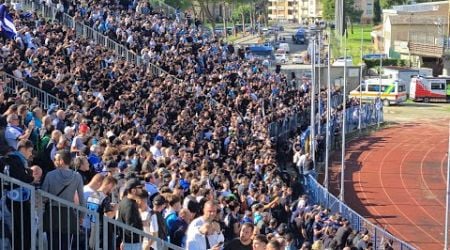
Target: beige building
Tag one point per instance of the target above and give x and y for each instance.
(297, 11)
(414, 32)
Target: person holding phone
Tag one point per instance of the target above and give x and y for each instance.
(207, 237)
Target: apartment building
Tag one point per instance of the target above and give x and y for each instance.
(298, 11)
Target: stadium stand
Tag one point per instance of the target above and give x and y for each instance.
(175, 160)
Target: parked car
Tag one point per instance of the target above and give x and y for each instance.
(298, 59)
(285, 47)
(281, 56)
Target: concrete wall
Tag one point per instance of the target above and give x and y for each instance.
(337, 75)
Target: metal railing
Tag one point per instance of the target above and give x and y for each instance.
(86, 32)
(44, 99)
(168, 10)
(33, 219)
(131, 236)
(319, 195)
(282, 128)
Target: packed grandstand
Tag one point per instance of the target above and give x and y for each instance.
(190, 162)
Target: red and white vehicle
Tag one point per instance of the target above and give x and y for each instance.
(427, 89)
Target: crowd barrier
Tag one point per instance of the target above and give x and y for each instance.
(86, 32)
(167, 9)
(317, 194)
(44, 99)
(39, 220)
(282, 128)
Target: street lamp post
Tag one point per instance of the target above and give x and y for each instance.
(344, 117)
(313, 106)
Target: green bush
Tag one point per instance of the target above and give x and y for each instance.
(371, 63)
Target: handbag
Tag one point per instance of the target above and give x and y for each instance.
(62, 218)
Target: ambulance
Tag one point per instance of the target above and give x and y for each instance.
(392, 91)
(430, 89)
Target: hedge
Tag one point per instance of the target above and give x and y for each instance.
(372, 63)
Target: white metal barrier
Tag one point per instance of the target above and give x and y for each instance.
(33, 219)
(44, 99)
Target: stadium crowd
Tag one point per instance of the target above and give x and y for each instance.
(190, 163)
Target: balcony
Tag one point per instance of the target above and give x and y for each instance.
(277, 8)
(427, 50)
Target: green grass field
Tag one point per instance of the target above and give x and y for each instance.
(354, 43)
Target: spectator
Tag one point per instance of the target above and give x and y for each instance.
(342, 234)
(244, 241)
(100, 202)
(209, 213)
(129, 214)
(14, 133)
(158, 226)
(79, 142)
(171, 214)
(66, 224)
(151, 184)
(363, 243)
(15, 164)
(145, 213)
(81, 165)
(259, 242)
(179, 228)
(205, 237)
(275, 245)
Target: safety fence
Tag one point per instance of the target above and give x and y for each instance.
(317, 194)
(12, 85)
(167, 9)
(82, 30)
(282, 128)
(33, 219)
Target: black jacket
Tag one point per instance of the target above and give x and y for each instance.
(129, 214)
(12, 165)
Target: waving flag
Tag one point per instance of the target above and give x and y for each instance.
(8, 28)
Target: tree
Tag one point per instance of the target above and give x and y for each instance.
(387, 4)
(328, 7)
(376, 12)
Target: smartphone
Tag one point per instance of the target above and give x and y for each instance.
(220, 243)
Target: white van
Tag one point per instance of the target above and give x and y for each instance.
(392, 91)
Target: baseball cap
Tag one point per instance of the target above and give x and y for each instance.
(83, 128)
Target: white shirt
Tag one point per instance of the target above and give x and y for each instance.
(156, 152)
(87, 191)
(197, 241)
(301, 162)
(146, 221)
(193, 227)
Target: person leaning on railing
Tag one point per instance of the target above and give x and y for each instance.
(15, 165)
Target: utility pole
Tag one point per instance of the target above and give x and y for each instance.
(344, 118)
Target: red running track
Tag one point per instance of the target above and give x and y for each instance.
(397, 178)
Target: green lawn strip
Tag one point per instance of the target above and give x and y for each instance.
(354, 43)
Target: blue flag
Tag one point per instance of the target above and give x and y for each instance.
(8, 28)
